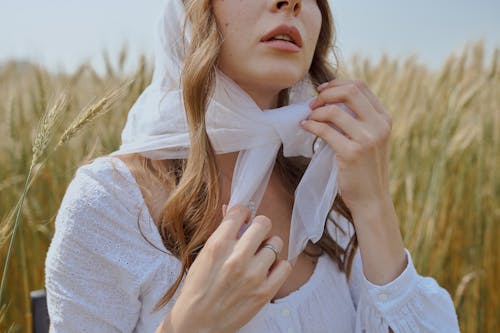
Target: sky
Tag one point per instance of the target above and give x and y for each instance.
(62, 34)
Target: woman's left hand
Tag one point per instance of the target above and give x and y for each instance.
(362, 145)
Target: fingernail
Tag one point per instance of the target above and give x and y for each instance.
(311, 105)
(303, 122)
(322, 86)
(224, 208)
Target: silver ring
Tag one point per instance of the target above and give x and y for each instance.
(274, 249)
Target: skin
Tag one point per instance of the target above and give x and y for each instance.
(229, 269)
(258, 69)
(362, 153)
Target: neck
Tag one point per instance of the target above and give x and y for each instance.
(265, 99)
(227, 162)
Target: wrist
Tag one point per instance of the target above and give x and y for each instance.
(376, 210)
(176, 322)
(380, 241)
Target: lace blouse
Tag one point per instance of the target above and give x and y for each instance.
(102, 275)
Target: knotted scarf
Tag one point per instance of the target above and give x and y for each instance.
(157, 128)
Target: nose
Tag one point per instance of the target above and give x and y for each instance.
(292, 6)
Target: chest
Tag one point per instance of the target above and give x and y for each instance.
(277, 206)
(301, 273)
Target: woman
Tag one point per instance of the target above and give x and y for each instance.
(282, 255)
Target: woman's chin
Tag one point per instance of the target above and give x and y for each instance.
(279, 80)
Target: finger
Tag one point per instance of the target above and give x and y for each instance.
(242, 230)
(255, 234)
(341, 121)
(233, 221)
(277, 277)
(339, 142)
(352, 97)
(374, 101)
(265, 257)
(360, 84)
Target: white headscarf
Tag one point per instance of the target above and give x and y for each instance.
(157, 128)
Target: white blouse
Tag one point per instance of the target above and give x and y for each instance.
(101, 275)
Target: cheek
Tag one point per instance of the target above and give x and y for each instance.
(231, 16)
(233, 46)
(316, 21)
(314, 24)
(231, 27)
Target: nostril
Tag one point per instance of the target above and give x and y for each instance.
(281, 4)
(296, 6)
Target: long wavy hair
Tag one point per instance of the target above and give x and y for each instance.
(192, 211)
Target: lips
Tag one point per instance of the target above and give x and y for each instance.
(287, 30)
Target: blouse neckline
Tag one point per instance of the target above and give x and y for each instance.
(293, 297)
(305, 289)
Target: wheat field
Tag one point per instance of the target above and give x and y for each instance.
(444, 165)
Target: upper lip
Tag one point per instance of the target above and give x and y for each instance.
(284, 29)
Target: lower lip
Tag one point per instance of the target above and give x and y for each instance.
(282, 45)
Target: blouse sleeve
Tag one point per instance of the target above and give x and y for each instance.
(95, 265)
(409, 303)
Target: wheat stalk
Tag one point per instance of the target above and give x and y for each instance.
(92, 112)
(446, 122)
(45, 131)
(47, 126)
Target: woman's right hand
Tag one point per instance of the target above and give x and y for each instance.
(231, 279)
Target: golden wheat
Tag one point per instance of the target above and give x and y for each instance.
(90, 113)
(47, 127)
(444, 162)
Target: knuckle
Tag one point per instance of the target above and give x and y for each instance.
(253, 277)
(263, 221)
(354, 153)
(262, 295)
(319, 99)
(234, 265)
(278, 241)
(386, 132)
(322, 130)
(352, 90)
(341, 114)
(371, 144)
(371, 141)
(238, 210)
(215, 244)
(360, 84)
(334, 111)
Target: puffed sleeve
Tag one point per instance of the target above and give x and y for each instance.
(409, 303)
(95, 262)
